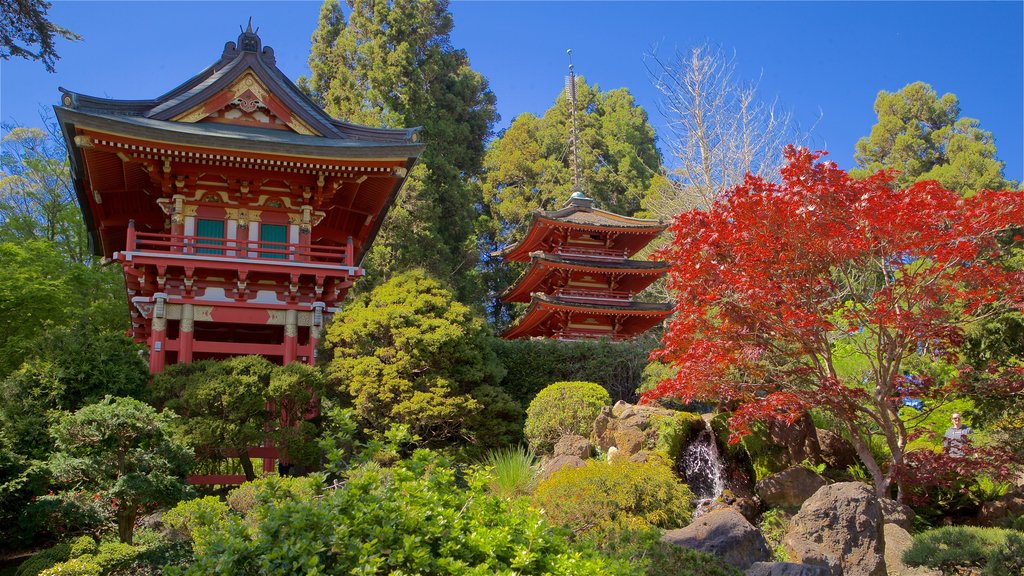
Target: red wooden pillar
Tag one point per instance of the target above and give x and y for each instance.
(291, 335)
(158, 335)
(185, 334)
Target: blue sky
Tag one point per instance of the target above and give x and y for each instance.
(824, 61)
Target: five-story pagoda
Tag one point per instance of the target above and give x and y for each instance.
(581, 281)
(238, 209)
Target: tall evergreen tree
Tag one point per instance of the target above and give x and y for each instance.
(391, 63)
(924, 137)
(530, 166)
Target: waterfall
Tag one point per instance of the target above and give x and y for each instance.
(703, 470)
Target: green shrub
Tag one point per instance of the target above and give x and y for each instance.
(563, 408)
(190, 517)
(956, 548)
(512, 471)
(413, 518)
(1007, 559)
(774, 524)
(623, 493)
(533, 364)
(83, 566)
(154, 560)
(676, 431)
(83, 545)
(643, 552)
(246, 496)
(45, 559)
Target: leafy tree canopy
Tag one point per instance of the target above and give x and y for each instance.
(72, 366)
(777, 284)
(36, 197)
(923, 137)
(224, 404)
(25, 32)
(408, 353)
(391, 63)
(123, 450)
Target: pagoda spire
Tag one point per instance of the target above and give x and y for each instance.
(570, 96)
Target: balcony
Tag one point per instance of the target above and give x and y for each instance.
(228, 249)
(591, 253)
(602, 297)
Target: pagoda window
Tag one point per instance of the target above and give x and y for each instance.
(275, 237)
(207, 231)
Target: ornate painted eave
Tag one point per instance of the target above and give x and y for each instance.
(634, 317)
(542, 265)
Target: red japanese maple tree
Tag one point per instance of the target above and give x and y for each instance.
(775, 278)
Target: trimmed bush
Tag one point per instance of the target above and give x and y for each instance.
(45, 559)
(563, 408)
(83, 545)
(956, 548)
(246, 496)
(190, 517)
(84, 566)
(627, 494)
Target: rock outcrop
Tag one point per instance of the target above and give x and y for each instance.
(785, 569)
(574, 445)
(789, 488)
(897, 513)
(635, 429)
(840, 527)
(898, 541)
(725, 533)
(836, 451)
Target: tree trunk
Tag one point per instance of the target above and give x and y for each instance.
(126, 524)
(243, 458)
(880, 480)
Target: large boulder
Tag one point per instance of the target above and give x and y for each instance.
(785, 569)
(999, 511)
(789, 488)
(840, 527)
(898, 541)
(798, 441)
(897, 513)
(632, 429)
(725, 533)
(551, 465)
(574, 445)
(836, 451)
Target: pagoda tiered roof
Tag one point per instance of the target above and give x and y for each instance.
(549, 230)
(550, 272)
(581, 282)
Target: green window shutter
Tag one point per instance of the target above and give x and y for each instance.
(277, 233)
(209, 229)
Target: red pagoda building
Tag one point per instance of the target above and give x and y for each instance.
(238, 209)
(581, 281)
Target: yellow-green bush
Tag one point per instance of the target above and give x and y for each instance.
(955, 549)
(623, 493)
(675, 431)
(191, 516)
(243, 498)
(82, 566)
(563, 408)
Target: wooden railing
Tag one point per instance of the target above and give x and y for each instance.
(148, 242)
(591, 253)
(609, 297)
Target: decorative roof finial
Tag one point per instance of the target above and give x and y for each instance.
(249, 41)
(570, 96)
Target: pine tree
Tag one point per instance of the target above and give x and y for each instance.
(391, 64)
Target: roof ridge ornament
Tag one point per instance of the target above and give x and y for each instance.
(249, 41)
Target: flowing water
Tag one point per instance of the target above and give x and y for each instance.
(703, 470)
